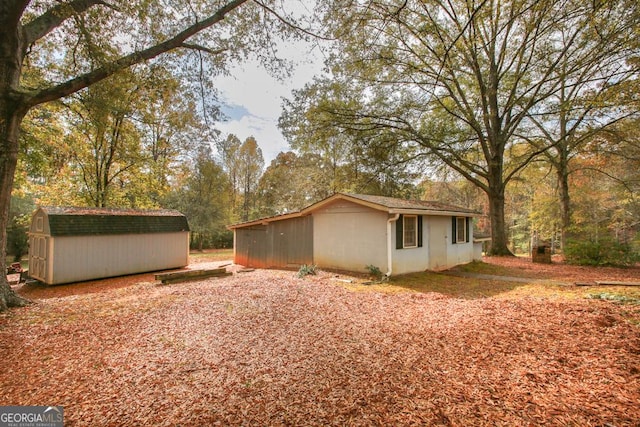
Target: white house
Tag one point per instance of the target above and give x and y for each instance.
(352, 231)
(78, 244)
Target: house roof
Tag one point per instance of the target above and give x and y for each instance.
(394, 204)
(391, 205)
(73, 221)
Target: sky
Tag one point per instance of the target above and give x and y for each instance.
(252, 99)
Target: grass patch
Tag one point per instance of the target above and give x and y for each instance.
(457, 287)
(496, 270)
(212, 255)
(473, 288)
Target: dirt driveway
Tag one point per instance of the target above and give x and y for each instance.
(267, 348)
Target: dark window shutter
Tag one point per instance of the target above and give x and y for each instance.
(419, 231)
(468, 224)
(454, 231)
(399, 233)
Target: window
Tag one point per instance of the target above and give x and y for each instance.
(461, 226)
(410, 231)
(460, 229)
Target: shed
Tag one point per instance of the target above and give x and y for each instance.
(70, 244)
(352, 231)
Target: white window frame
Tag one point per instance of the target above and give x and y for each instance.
(461, 220)
(414, 219)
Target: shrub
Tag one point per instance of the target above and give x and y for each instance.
(306, 270)
(605, 252)
(374, 272)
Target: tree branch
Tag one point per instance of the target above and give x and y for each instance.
(94, 76)
(289, 23)
(201, 48)
(52, 18)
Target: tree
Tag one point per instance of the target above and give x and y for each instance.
(81, 32)
(203, 198)
(228, 149)
(350, 159)
(459, 78)
(291, 182)
(104, 141)
(171, 126)
(250, 163)
(597, 88)
(607, 184)
(18, 240)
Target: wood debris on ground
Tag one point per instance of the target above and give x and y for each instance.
(268, 348)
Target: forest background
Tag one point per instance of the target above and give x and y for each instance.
(526, 111)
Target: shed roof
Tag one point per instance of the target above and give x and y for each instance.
(73, 221)
(391, 205)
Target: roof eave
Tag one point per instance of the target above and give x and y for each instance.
(342, 196)
(432, 212)
(265, 221)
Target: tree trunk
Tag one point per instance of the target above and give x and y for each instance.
(499, 241)
(12, 111)
(10, 118)
(565, 200)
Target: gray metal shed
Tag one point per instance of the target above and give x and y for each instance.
(278, 244)
(77, 244)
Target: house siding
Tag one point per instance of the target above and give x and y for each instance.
(348, 236)
(438, 251)
(407, 260)
(460, 253)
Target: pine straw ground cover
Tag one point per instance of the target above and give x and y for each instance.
(267, 348)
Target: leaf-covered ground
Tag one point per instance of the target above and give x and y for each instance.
(267, 348)
(560, 271)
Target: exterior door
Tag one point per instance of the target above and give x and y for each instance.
(439, 239)
(38, 257)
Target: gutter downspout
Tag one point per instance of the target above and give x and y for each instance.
(389, 245)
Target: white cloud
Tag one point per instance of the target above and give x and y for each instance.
(253, 98)
(264, 130)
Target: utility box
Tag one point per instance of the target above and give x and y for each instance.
(541, 254)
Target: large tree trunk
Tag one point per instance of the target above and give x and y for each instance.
(499, 241)
(495, 193)
(10, 118)
(564, 198)
(12, 111)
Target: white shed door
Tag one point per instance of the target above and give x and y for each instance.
(38, 257)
